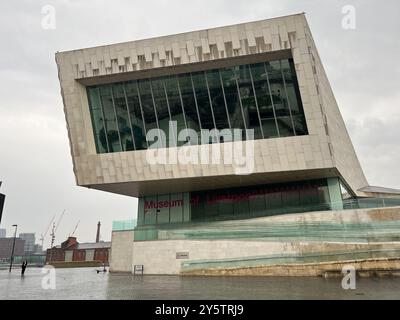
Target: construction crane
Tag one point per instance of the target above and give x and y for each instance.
(75, 228)
(59, 220)
(43, 235)
(53, 234)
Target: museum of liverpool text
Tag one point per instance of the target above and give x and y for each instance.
(211, 130)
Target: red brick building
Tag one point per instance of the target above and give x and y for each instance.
(73, 251)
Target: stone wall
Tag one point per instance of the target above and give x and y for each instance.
(341, 235)
(121, 251)
(364, 268)
(159, 257)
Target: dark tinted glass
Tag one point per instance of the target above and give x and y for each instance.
(264, 97)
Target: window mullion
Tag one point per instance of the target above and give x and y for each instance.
(141, 111)
(255, 100)
(129, 116)
(104, 121)
(272, 100)
(155, 112)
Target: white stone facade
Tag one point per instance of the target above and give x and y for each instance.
(325, 151)
(121, 251)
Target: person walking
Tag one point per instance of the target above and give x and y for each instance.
(23, 266)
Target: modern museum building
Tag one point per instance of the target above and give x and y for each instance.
(217, 132)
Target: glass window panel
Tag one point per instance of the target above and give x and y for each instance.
(232, 97)
(210, 210)
(225, 208)
(290, 79)
(248, 101)
(175, 104)
(97, 120)
(203, 100)
(124, 126)
(269, 128)
(241, 208)
(285, 126)
(114, 142)
(300, 124)
(217, 99)
(291, 198)
(323, 194)
(150, 215)
(189, 104)
(163, 212)
(146, 100)
(176, 212)
(197, 201)
(136, 115)
(102, 142)
(308, 196)
(274, 200)
(162, 109)
(293, 93)
(346, 194)
(257, 205)
(264, 101)
(278, 93)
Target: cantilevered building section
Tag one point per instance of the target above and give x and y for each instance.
(264, 75)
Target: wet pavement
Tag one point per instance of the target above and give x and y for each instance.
(86, 283)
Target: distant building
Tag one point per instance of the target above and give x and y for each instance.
(3, 233)
(6, 247)
(29, 242)
(73, 251)
(38, 248)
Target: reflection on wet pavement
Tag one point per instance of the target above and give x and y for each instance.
(86, 283)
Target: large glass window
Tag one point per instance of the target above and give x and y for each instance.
(263, 96)
(261, 200)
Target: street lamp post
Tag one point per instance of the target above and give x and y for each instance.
(12, 252)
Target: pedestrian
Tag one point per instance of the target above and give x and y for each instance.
(23, 266)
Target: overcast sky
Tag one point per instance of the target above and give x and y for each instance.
(35, 161)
